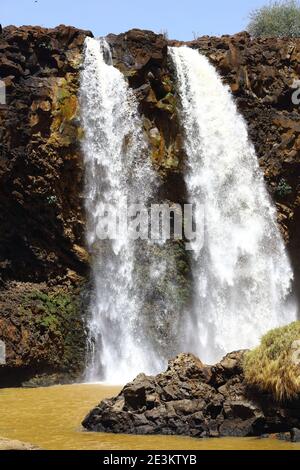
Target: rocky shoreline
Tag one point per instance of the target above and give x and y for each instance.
(195, 400)
(9, 444)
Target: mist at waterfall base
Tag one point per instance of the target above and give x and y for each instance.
(241, 273)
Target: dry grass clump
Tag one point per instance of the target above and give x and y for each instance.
(275, 365)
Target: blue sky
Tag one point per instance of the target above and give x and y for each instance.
(180, 18)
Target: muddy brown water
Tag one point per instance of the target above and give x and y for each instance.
(50, 418)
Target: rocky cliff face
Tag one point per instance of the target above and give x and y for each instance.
(43, 262)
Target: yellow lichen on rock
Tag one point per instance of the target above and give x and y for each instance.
(65, 111)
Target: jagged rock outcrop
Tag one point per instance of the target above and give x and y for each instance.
(41, 167)
(195, 400)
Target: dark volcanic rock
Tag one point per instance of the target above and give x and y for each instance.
(41, 171)
(188, 399)
(295, 435)
(43, 262)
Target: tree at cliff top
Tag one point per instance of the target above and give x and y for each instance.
(275, 365)
(277, 19)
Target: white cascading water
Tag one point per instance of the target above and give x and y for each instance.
(117, 171)
(242, 274)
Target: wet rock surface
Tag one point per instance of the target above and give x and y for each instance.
(195, 400)
(43, 329)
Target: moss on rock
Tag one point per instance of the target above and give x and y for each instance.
(163, 278)
(168, 104)
(56, 315)
(44, 330)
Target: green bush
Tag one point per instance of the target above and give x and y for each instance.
(274, 366)
(277, 19)
(283, 189)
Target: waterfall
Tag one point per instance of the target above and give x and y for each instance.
(242, 274)
(118, 172)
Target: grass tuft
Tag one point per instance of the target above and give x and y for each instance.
(275, 365)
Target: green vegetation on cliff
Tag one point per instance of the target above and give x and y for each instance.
(275, 365)
(56, 318)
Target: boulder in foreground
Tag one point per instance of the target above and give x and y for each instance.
(195, 400)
